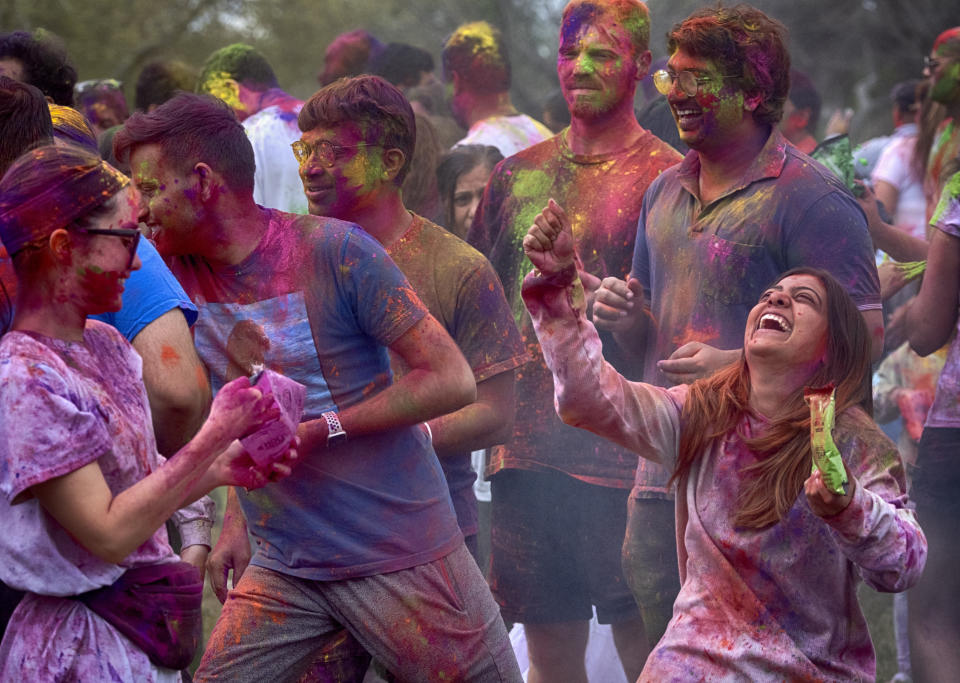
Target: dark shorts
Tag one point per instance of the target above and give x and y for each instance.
(650, 561)
(936, 479)
(556, 544)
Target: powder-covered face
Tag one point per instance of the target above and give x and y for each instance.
(467, 196)
(101, 261)
(945, 80)
(596, 67)
(789, 323)
(170, 199)
(707, 119)
(350, 184)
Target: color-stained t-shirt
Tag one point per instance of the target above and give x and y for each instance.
(946, 403)
(894, 167)
(460, 289)
(276, 183)
(602, 195)
(777, 603)
(318, 301)
(704, 267)
(64, 405)
(509, 134)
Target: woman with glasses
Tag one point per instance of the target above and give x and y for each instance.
(769, 557)
(938, 139)
(85, 493)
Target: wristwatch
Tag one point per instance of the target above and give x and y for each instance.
(335, 433)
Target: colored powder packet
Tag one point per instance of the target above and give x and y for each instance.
(911, 269)
(272, 440)
(837, 155)
(826, 456)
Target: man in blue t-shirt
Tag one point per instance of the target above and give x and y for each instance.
(358, 554)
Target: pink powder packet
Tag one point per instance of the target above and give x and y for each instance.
(272, 440)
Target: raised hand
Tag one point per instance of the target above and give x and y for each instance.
(238, 409)
(549, 242)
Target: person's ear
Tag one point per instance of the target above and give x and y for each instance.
(751, 102)
(206, 180)
(643, 64)
(393, 161)
(61, 246)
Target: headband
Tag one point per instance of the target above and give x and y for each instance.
(948, 35)
(86, 188)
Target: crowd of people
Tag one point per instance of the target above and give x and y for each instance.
(620, 319)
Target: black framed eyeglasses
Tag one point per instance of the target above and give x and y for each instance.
(930, 63)
(327, 152)
(689, 81)
(130, 236)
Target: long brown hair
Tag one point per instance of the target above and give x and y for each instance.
(716, 405)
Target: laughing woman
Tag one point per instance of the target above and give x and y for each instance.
(769, 557)
(84, 492)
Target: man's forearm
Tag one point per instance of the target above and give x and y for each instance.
(486, 422)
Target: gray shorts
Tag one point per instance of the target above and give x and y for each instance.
(433, 622)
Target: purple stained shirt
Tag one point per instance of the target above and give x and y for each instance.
(64, 405)
(319, 301)
(777, 603)
(703, 267)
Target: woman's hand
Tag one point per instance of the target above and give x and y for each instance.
(549, 242)
(235, 467)
(238, 409)
(823, 501)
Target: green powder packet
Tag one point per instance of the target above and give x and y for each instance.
(836, 154)
(826, 457)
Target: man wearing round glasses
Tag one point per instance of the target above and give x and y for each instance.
(743, 206)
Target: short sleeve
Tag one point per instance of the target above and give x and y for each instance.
(384, 303)
(485, 330)
(47, 427)
(893, 166)
(832, 234)
(946, 217)
(640, 268)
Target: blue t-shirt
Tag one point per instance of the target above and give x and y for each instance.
(149, 293)
(318, 300)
